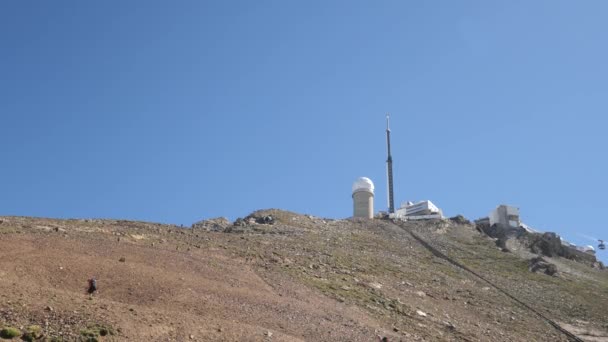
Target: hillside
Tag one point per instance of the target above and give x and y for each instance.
(292, 278)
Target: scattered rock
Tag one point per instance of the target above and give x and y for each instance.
(324, 255)
(375, 285)
(421, 313)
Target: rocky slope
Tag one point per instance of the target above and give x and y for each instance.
(281, 276)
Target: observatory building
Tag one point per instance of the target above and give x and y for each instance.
(363, 198)
(423, 210)
(505, 216)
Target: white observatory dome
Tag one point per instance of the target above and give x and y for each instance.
(363, 184)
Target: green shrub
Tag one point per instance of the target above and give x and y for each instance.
(32, 333)
(9, 332)
(93, 331)
(89, 333)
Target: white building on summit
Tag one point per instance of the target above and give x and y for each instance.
(422, 210)
(506, 216)
(363, 198)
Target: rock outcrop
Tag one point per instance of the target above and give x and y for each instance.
(548, 244)
(218, 224)
(539, 264)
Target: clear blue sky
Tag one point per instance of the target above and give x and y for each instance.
(175, 111)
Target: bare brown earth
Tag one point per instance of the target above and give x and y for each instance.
(300, 279)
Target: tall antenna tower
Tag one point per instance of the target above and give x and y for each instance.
(389, 168)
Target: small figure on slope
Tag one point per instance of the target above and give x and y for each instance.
(92, 286)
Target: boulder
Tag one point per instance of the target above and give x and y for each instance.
(240, 222)
(539, 264)
(459, 219)
(265, 220)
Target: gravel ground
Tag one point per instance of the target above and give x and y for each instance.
(293, 278)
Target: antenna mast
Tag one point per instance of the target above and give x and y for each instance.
(389, 168)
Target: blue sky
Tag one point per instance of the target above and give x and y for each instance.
(178, 111)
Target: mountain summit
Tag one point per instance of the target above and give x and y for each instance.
(280, 276)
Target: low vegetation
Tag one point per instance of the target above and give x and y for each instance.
(32, 333)
(93, 331)
(9, 332)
